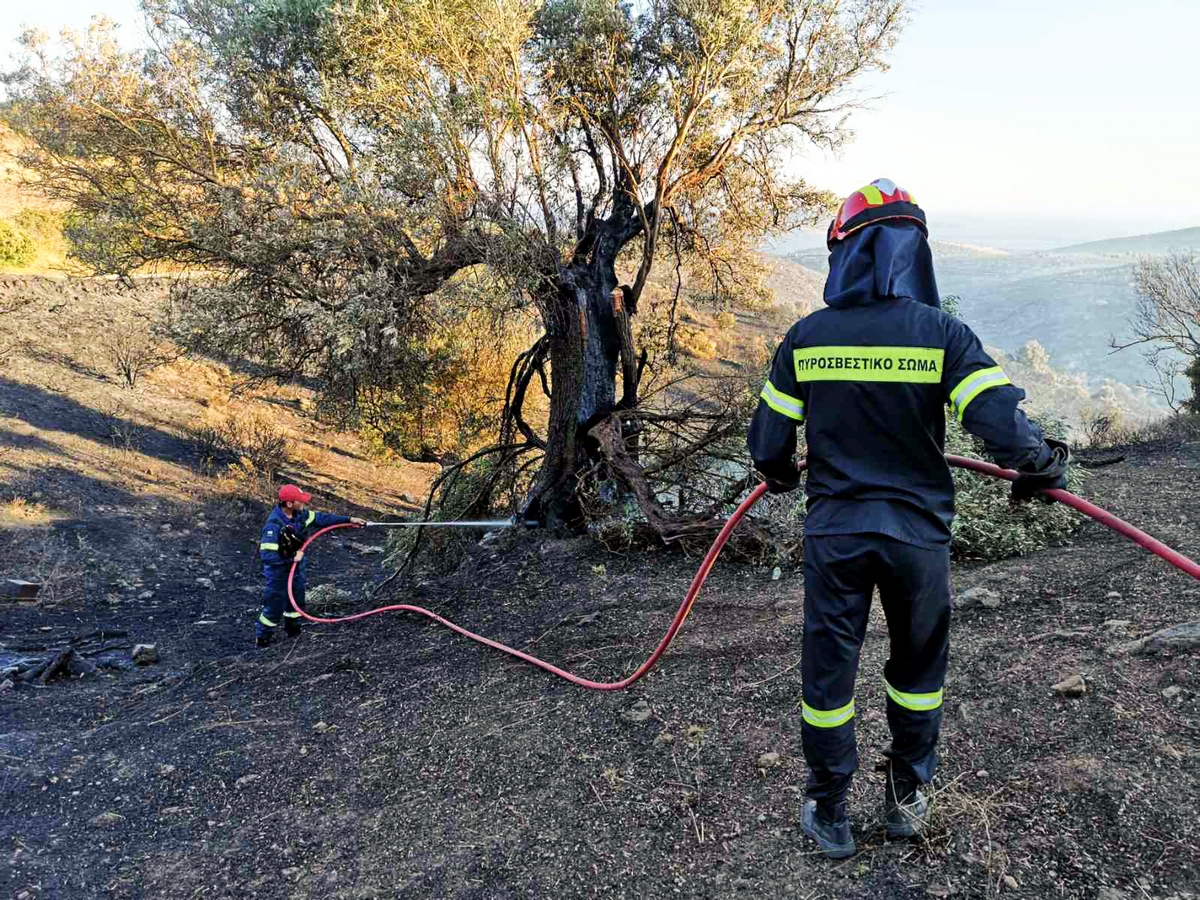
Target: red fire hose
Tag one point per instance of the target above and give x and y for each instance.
(1102, 516)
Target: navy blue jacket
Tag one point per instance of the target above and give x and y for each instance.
(275, 567)
(869, 378)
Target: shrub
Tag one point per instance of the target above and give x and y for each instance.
(251, 444)
(987, 526)
(16, 247)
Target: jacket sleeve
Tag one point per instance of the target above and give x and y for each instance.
(986, 403)
(324, 520)
(772, 435)
(268, 545)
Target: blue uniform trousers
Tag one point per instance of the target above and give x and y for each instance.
(276, 607)
(840, 575)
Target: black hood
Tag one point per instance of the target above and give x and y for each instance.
(879, 262)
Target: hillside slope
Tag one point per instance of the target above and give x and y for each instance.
(1159, 242)
(391, 758)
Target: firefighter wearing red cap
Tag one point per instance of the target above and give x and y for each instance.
(281, 539)
(869, 378)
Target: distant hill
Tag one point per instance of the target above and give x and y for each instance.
(1159, 242)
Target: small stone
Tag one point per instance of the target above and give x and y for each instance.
(5, 685)
(982, 773)
(150, 567)
(107, 819)
(762, 817)
(146, 595)
(977, 596)
(246, 779)
(405, 498)
(1112, 595)
(165, 527)
(145, 654)
(638, 713)
(665, 738)
(768, 760)
(323, 728)
(1072, 686)
(206, 583)
(1172, 692)
(1010, 883)
(776, 573)
(937, 890)
(304, 751)
(165, 769)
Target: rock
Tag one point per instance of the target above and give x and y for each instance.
(81, 666)
(245, 780)
(5, 685)
(405, 498)
(165, 527)
(776, 573)
(768, 760)
(1172, 692)
(1112, 595)
(1010, 883)
(206, 583)
(150, 567)
(665, 738)
(324, 728)
(165, 769)
(1072, 686)
(638, 713)
(982, 773)
(145, 654)
(107, 819)
(937, 890)
(146, 595)
(1116, 624)
(977, 596)
(1180, 637)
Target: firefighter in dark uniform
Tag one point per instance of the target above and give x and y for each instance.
(286, 529)
(870, 378)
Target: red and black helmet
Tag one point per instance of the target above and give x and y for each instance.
(881, 199)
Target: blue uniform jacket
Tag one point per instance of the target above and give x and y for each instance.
(276, 567)
(870, 378)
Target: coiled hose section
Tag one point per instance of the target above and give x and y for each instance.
(1077, 503)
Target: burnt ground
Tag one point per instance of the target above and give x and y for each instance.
(393, 758)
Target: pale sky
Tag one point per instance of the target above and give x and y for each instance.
(1070, 111)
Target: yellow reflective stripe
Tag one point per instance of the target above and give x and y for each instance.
(872, 195)
(828, 718)
(291, 615)
(911, 365)
(262, 617)
(915, 702)
(268, 546)
(782, 403)
(311, 517)
(974, 385)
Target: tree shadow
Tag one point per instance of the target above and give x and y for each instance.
(51, 412)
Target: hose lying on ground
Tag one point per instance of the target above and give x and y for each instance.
(1102, 516)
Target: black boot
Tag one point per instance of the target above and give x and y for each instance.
(829, 828)
(262, 640)
(904, 807)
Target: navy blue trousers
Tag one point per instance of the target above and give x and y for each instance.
(276, 607)
(840, 575)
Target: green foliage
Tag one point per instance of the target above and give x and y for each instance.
(987, 526)
(16, 247)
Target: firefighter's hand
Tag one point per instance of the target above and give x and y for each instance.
(299, 555)
(1050, 476)
(355, 520)
(784, 483)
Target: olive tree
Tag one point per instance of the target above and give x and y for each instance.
(348, 174)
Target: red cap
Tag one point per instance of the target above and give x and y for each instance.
(291, 492)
